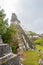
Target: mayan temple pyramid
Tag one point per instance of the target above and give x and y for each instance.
(24, 42)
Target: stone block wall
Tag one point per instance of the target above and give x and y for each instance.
(13, 61)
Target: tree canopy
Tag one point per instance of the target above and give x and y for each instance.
(3, 23)
(30, 33)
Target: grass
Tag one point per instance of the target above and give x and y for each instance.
(38, 47)
(32, 58)
(39, 41)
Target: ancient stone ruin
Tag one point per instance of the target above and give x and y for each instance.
(6, 55)
(24, 42)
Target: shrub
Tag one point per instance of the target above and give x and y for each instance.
(39, 41)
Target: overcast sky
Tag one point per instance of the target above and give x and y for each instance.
(29, 12)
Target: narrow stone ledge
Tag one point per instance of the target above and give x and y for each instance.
(12, 61)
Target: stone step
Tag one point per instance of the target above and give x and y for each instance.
(7, 57)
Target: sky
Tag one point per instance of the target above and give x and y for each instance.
(29, 12)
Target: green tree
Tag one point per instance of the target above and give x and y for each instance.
(3, 22)
(11, 37)
(30, 33)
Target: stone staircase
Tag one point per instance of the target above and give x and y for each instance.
(26, 44)
(6, 55)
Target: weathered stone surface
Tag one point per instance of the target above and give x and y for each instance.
(13, 61)
(4, 49)
(40, 61)
(6, 55)
(0, 39)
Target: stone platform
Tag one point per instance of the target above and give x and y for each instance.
(6, 55)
